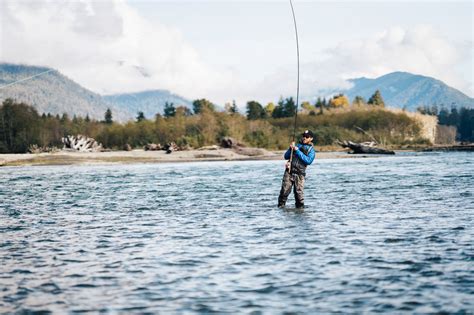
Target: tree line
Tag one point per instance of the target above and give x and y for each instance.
(287, 107)
(268, 127)
(462, 119)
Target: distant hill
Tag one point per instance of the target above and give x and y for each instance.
(56, 94)
(149, 102)
(52, 92)
(406, 90)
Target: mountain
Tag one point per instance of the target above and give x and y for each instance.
(52, 92)
(406, 90)
(49, 91)
(149, 102)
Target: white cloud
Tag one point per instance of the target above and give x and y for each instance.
(105, 46)
(108, 47)
(420, 50)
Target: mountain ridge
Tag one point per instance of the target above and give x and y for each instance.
(406, 90)
(150, 102)
(52, 92)
(55, 93)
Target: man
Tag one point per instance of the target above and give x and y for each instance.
(303, 155)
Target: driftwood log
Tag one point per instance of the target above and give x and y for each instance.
(152, 147)
(171, 147)
(229, 142)
(34, 148)
(364, 147)
(81, 143)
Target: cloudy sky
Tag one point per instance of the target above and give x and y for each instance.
(241, 50)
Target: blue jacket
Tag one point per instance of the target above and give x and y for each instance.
(302, 157)
(306, 159)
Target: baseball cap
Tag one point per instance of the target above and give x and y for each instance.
(308, 134)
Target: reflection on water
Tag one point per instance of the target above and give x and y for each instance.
(381, 234)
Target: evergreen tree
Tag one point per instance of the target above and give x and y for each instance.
(87, 119)
(359, 101)
(443, 116)
(169, 110)
(454, 117)
(319, 106)
(376, 99)
(290, 107)
(466, 124)
(324, 103)
(19, 127)
(279, 110)
(318, 103)
(140, 117)
(233, 108)
(108, 116)
(199, 105)
(64, 118)
(285, 108)
(255, 110)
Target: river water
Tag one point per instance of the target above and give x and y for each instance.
(383, 234)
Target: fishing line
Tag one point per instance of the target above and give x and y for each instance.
(25, 79)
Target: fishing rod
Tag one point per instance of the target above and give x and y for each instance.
(297, 84)
(25, 79)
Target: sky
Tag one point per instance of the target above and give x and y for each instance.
(239, 50)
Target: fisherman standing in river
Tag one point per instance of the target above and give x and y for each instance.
(299, 156)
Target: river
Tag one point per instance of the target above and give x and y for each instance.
(382, 234)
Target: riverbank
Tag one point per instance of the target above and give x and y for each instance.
(141, 156)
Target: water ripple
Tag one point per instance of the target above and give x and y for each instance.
(378, 235)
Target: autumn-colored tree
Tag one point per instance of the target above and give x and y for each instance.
(339, 101)
(208, 127)
(183, 110)
(269, 108)
(307, 107)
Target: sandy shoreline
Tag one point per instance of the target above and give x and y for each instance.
(141, 156)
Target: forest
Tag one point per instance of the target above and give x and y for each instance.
(269, 126)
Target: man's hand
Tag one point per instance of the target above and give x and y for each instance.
(293, 146)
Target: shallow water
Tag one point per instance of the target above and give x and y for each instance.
(389, 234)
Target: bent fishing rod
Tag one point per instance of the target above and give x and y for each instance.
(297, 84)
